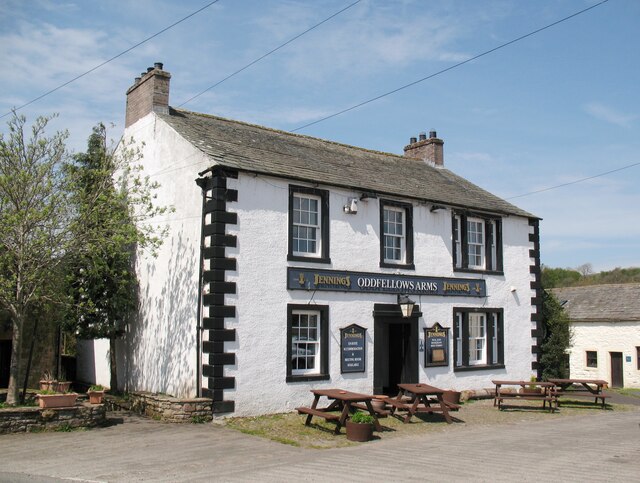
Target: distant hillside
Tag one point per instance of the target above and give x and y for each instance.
(574, 277)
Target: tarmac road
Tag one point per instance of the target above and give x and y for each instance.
(599, 446)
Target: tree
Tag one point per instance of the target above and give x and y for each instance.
(116, 205)
(557, 339)
(36, 226)
(559, 277)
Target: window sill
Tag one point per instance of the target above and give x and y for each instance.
(298, 258)
(308, 377)
(478, 368)
(473, 270)
(403, 266)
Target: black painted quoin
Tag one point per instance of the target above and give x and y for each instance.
(214, 265)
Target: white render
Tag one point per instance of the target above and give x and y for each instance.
(159, 351)
(605, 337)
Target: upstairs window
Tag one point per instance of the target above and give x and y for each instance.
(396, 228)
(308, 224)
(477, 243)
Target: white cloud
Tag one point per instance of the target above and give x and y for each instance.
(609, 114)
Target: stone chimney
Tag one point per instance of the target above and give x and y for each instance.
(428, 149)
(149, 93)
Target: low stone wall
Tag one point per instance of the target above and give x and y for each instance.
(165, 408)
(31, 419)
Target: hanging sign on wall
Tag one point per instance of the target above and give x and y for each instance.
(436, 341)
(353, 344)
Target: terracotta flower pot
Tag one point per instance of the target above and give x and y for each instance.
(61, 386)
(95, 397)
(57, 400)
(452, 397)
(360, 432)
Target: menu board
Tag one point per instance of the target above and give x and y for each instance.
(437, 346)
(353, 343)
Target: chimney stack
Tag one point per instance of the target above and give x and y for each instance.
(430, 149)
(149, 93)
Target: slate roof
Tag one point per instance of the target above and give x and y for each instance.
(601, 303)
(258, 149)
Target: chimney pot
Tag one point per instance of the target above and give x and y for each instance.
(429, 150)
(149, 93)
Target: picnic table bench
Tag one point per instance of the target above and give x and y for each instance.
(343, 401)
(591, 388)
(542, 391)
(421, 398)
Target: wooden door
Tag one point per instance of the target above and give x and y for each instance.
(617, 379)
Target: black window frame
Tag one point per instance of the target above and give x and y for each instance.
(408, 230)
(591, 359)
(465, 339)
(638, 357)
(464, 246)
(323, 375)
(324, 225)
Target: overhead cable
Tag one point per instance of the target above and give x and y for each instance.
(501, 46)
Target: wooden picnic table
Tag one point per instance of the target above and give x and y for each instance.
(343, 401)
(581, 388)
(420, 398)
(543, 391)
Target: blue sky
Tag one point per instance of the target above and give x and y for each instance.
(556, 107)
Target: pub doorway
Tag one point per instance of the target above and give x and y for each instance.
(395, 346)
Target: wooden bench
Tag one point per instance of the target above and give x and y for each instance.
(528, 397)
(570, 394)
(382, 413)
(317, 412)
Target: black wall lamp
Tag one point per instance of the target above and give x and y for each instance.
(406, 305)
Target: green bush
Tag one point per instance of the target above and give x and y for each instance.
(362, 418)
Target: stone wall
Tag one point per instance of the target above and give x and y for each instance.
(166, 408)
(32, 419)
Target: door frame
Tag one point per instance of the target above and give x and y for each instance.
(617, 356)
(385, 315)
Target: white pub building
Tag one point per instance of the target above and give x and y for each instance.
(295, 263)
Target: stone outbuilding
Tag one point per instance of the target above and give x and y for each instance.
(606, 332)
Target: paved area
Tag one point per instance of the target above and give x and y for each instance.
(596, 446)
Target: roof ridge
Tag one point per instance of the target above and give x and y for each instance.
(301, 136)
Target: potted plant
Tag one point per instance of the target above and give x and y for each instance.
(46, 381)
(54, 399)
(531, 388)
(96, 394)
(451, 396)
(360, 427)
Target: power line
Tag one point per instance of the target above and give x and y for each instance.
(573, 182)
(109, 60)
(270, 52)
(449, 68)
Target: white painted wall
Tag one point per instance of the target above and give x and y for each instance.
(262, 298)
(605, 337)
(159, 350)
(92, 361)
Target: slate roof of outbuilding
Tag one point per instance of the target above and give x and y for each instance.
(601, 303)
(257, 149)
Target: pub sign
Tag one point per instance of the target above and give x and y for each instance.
(353, 343)
(436, 341)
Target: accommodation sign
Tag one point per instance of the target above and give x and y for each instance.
(352, 348)
(437, 346)
(339, 281)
